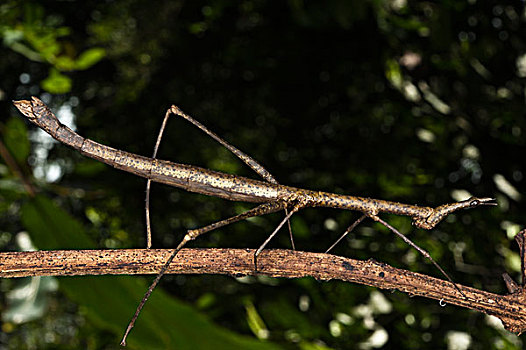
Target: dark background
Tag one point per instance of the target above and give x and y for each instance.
(417, 102)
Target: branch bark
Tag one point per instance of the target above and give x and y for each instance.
(511, 308)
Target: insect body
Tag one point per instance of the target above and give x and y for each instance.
(272, 196)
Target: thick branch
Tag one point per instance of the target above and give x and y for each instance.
(511, 308)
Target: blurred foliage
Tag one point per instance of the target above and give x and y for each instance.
(105, 300)
(28, 30)
(418, 102)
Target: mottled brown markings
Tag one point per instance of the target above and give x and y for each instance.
(205, 181)
(346, 265)
(274, 196)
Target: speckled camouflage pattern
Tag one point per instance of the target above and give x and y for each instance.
(228, 186)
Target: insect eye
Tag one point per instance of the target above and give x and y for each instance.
(474, 203)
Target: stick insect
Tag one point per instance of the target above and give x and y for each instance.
(272, 196)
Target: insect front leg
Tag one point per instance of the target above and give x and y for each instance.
(420, 250)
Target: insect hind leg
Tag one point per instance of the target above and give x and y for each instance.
(248, 160)
(149, 182)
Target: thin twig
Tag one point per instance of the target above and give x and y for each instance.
(511, 308)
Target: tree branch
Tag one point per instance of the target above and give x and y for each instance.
(511, 308)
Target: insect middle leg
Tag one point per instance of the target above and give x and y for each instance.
(251, 162)
(262, 209)
(286, 219)
(349, 230)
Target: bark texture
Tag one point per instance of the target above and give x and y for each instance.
(510, 308)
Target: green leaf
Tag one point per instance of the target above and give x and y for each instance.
(109, 301)
(255, 322)
(89, 57)
(56, 83)
(15, 139)
(64, 63)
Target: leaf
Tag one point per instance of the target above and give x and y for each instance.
(56, 82)
(89, 57)
(64, 63)
(15, 139)
(109, 301)
(22, 309)
(255, 322)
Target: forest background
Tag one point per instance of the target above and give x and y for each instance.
(417, 102)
